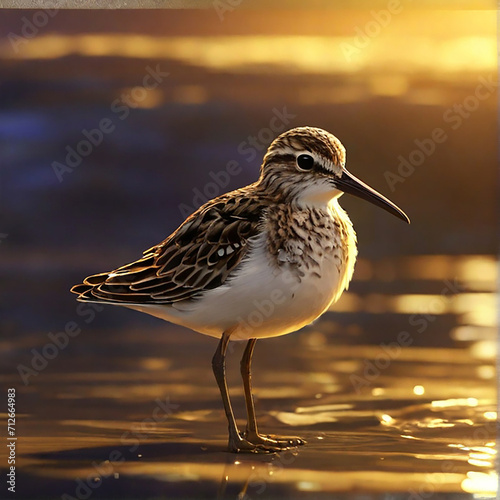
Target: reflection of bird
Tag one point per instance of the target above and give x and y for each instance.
(258, 262)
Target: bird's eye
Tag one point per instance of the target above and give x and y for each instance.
(305, 162)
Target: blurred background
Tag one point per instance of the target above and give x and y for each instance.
(114, 125)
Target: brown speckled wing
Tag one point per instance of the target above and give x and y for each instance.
(198, 256)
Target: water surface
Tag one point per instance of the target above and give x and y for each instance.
(394, 394)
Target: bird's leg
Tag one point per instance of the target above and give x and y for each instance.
(237, 442)
(252, 433)
(246, 375)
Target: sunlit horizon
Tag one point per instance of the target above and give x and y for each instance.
(311, 54)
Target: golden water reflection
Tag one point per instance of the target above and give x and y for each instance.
(474, 270)
(312, 54)
(421, 417)
(466, 288)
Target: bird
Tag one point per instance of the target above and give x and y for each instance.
(261, 261)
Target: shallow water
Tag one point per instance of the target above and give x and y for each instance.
(394, 393)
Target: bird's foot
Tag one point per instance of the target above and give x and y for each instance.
(270, 441)
(242, 445)
(251, 442)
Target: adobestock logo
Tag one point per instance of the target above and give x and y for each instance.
(32, 25)
(453, 118)
(119, 109)
(249, 149)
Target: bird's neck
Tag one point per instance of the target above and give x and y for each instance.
(319, 200)
(280, 191)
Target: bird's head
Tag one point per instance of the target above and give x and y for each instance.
(308, 164)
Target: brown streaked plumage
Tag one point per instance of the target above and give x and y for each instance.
(283, 236)
(198, 256)
(305, 235)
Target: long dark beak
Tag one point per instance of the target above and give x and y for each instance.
(352, 185)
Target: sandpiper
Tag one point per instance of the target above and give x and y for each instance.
(260, 261)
